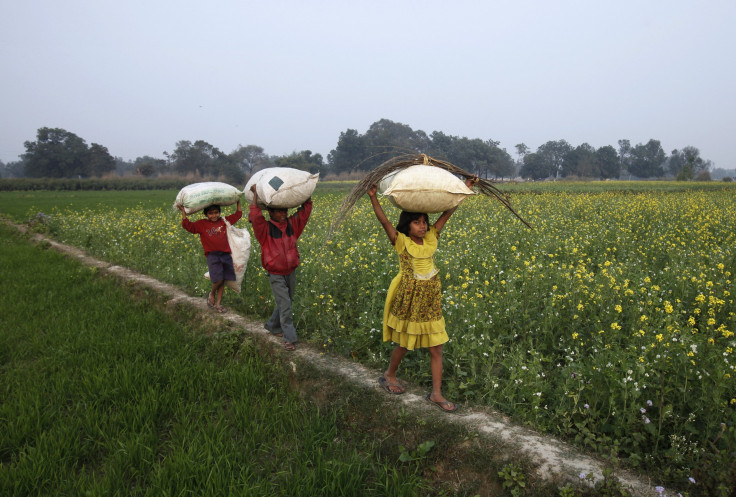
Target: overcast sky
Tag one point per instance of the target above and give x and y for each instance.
(138, 76)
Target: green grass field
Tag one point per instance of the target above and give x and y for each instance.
(105, 395)
(610, 324)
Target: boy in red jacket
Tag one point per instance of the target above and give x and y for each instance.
(213, 236)
(280, 258)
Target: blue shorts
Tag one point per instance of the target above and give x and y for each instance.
(221, 267)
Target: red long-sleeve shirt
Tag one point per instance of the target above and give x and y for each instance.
(279, 254)
(212, 235)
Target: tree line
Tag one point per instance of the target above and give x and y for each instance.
(58, 153)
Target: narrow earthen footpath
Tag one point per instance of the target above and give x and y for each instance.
(551, 457)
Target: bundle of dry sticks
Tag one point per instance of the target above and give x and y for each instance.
(403, 161)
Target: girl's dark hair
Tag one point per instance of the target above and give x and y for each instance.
(405, 219)
(211, 208)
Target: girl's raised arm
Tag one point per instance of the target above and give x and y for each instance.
(387, 226)
(440, 223)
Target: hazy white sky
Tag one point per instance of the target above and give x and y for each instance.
(137, 76)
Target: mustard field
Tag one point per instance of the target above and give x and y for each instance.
(611, 323)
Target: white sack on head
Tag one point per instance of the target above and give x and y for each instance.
(239, 241)
(428, 189)
(197, 196)
(281, 187)
(386, 181)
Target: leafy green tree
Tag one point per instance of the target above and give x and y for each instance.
(198, 157)
(386, 138)
(536, 167)
(304, 160)
(521, 150)
(350, 152)
(675, 162)
(553, 153)
(148, 166)
(690, 157)
(647, 160)
(250, 158)
(502, 163)
(471, 154)
(624, 154)
(56, 153)
(580, 161)
(441, 146)
(123, 167)
(99, 160)
(15, 169)
(207, 160)
(12, 169)
(477, 156)
(609, 163)
(686, 172)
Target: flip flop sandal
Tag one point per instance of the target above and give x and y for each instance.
(386, 385)
(289, 346)
(220, 309)
(210, 303)
(441, 404)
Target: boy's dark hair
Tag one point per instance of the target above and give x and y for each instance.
(405, 219)
(212, 207)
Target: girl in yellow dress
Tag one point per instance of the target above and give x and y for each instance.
(412, 317)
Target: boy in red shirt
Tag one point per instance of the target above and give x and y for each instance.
(213, 236)
(280, 257)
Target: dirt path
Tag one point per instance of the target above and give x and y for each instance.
(552, 457)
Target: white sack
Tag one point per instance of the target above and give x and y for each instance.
(386, 181)
(427, 189)
(197, 196)
(281, 187)
(239, 241)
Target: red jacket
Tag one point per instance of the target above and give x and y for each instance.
(279, 254)
(212, 235)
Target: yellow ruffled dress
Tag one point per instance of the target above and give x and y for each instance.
(412, 316)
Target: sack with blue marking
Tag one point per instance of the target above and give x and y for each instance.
(281, 187)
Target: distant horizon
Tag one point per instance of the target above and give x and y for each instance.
(137, 77)
(511, 152)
